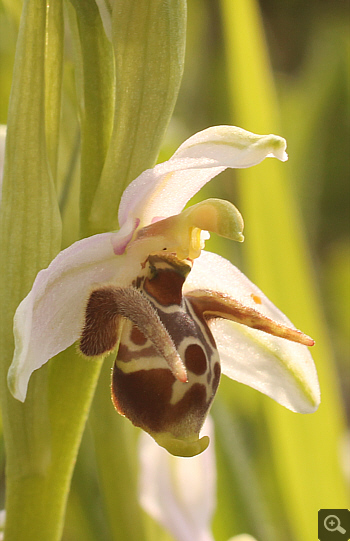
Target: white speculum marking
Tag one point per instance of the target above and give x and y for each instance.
(179, 389)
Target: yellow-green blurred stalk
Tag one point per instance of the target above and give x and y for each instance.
(306, 449)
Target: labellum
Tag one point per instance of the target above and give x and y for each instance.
(144, 388)
(167, 368)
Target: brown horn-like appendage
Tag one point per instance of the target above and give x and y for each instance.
(213, 304)
(103, 316)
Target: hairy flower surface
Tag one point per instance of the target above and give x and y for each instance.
(175, 315)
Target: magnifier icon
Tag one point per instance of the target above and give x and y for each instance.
(332, 524)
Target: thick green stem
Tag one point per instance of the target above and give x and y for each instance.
(40, 469)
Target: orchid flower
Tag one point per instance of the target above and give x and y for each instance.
(175, 314)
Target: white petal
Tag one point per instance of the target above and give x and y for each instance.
(179, 493)
(232, 146)
(275, 366)
(165, 189)
(51, 317)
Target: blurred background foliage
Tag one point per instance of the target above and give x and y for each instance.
(274, 468)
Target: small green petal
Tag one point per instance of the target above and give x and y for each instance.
(216, 216)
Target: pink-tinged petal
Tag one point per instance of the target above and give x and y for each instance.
(121, 239)
(180, 493)
(277, 367)
(51, 317)
(165, 189)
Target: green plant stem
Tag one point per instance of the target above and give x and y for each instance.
(39, 477)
